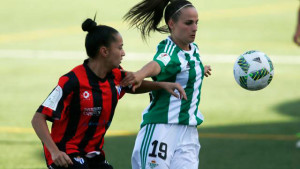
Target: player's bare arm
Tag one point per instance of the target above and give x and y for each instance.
(149, 70)
(147, 86)
(41, 128)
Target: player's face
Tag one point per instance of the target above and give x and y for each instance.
(186, 27)
(116, 51)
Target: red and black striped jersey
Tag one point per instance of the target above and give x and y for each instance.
(81, 108)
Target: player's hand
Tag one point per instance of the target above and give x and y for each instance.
(131, 79)
(61, 159)
(207, 70)
(171, 87)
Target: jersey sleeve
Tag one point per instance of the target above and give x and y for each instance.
(58, 100)
(169, 67)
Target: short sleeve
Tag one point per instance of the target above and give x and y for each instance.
(58, 100)
(168, 64)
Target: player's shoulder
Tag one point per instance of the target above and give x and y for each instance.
(118, 73)
(194, 44)
(167, 47)
(71, 77)
(161, 46)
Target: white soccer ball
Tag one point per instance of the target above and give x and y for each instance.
(253, 70)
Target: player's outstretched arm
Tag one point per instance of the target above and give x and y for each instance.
(149, 70)
(41, 128)
(147, 86)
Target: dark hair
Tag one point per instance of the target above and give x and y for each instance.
(147, 14)
(98, 35)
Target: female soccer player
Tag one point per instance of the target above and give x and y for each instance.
(82, 105)
(168, 137)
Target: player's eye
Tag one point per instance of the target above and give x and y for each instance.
(189, 22)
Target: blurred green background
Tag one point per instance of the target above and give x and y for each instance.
(42, 40)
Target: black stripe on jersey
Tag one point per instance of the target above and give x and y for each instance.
(113, 107)
(74, 116)
(97, 102)
(123, 74)
(114, 99)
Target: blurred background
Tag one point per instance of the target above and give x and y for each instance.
(42, 40)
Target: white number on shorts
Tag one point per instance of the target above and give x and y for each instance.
(162, 150)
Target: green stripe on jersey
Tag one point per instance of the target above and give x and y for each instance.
(143, 145)
(189, 90)
(199, 121)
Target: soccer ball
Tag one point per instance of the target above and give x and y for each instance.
(253, 70)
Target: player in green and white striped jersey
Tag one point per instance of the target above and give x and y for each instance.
(168, 137)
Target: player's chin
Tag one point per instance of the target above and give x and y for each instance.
(117, 65)
(191, 39)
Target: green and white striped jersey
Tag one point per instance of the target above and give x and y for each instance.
(185, 68)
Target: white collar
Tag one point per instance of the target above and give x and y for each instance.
(189, 51)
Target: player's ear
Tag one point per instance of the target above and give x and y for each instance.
(103, 51)
(171, 24)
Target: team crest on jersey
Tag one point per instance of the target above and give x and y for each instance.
(79, 159)
(119, 89)
(164, 57)
(153, 164)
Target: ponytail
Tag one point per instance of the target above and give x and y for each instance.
(146, 15)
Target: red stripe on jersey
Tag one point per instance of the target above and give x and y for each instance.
(47, 111)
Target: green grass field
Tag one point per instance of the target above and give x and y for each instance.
(242, 129)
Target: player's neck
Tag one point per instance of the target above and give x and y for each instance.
(99, 67)
(179, 43)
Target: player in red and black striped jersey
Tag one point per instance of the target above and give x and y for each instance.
(81, 107)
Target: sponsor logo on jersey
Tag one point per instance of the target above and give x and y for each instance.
(92, 111)
(153, 164)
(53, 99)
(86, 94)
(164, 57)
(79, 159)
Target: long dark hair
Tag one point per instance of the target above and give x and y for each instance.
(98, 35)
(147, 15)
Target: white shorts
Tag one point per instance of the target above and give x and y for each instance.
(166, 146)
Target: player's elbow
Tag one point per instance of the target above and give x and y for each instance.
(37, 117)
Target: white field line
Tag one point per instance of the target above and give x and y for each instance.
(80, 55)
(112, 133)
